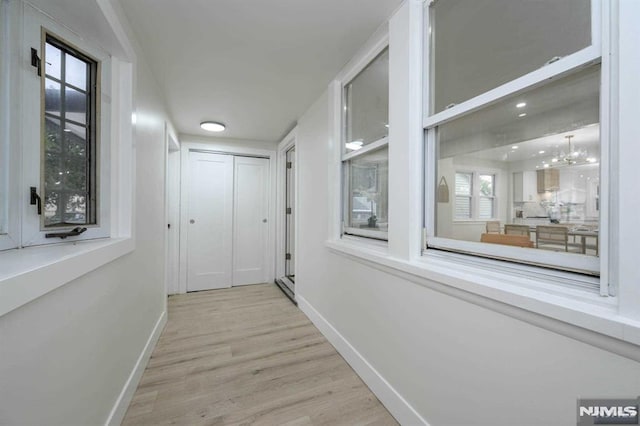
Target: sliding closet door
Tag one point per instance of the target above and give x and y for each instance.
(210, 221)
(251, 208)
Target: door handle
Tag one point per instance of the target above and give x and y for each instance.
(264, 220)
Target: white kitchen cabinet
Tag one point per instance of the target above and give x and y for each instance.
(525, 186)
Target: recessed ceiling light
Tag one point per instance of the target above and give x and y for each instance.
(521, 105)
(514, 147)
(546, 166)
(540, 152)
(591, 160)
(554, 160)
(212, 126)
(524, 114)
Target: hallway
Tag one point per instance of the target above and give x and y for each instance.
(247, 355)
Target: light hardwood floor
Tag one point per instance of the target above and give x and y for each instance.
(247, 355)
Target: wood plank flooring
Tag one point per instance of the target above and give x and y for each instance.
(245, 356)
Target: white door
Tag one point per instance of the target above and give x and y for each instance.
(251, 208)
(210, 221)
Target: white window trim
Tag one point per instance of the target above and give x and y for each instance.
(598, 52)
(33, 231)
(29, 273)
(475, 196)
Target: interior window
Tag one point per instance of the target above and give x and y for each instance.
(542, 147)
(365, 153)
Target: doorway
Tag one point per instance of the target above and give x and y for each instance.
(287, 194)
(290, 229)
(227, 223)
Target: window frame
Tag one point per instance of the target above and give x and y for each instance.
(33, 231)
(597, 52)
(9, 128)
(475, 196)
(345, 157)
(92, 125)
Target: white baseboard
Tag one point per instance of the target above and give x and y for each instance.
(390, 398)
(126, 395)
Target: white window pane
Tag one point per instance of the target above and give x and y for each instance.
(550, 158)
(463, 183)
(369, 190)
(76, 72)
(485, 210)
(53, 58)
(486, 185)
(480, 45)
(366, 100)
(463, 207)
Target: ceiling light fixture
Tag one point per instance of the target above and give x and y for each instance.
(574, 155)
(521, 105)
(514, 147)
(524, 114)
(212, 126)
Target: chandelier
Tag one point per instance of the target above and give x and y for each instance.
(573, 155)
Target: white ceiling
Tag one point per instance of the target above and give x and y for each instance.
(254, 65)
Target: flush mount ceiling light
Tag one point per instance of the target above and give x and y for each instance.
(212, 126)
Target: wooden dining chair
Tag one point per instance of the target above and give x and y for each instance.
(552, 237)
(517, 230)
(493, 227)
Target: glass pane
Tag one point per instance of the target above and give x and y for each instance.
(463, 183)
(369, 190)
(76, 72)
(539, 169)
(75, 209)
(463, 207)
(486, 208)
(52, 214)
(52, 101)
(486, 185)
(367, 104)
(52, 57)
(65, 174)
(480, 45)
(76, 105)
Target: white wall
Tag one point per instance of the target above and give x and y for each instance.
(65, 357)
(455, 359)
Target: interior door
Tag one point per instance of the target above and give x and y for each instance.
(251, 208)
(210, 221)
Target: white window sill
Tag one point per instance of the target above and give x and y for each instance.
(32, 272)
(569, 311)
(364, 244)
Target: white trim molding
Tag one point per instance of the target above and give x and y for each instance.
(128, 390)
(393, 401)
